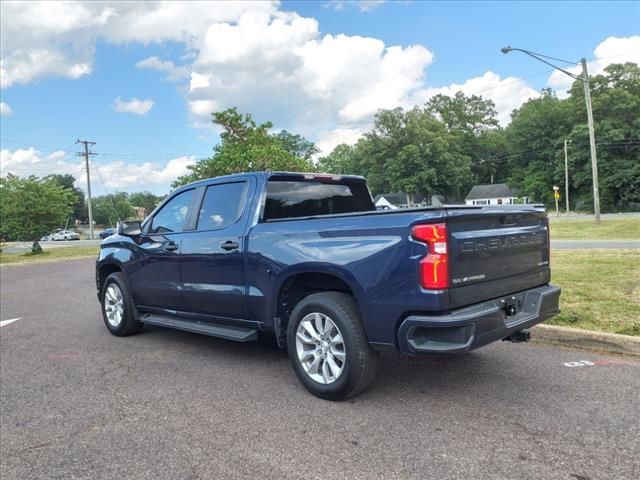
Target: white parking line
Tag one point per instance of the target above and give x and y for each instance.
(4, 323)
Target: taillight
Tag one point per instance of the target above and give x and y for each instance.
(434, 267)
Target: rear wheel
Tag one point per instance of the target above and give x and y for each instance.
(328, 348)
(117, 307)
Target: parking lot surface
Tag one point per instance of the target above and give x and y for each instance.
(77, 402)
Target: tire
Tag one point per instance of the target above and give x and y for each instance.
(114, 297)
(349, 369)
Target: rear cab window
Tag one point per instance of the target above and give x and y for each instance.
(293, 198)
(222, 205)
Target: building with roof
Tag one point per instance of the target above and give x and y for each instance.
(494, 194)
(393, 201)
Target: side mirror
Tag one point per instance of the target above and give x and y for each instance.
(129, 228)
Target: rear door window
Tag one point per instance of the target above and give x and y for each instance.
(222, 205)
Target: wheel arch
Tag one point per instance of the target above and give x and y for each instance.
(298, 284)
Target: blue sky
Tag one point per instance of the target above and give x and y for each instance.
(321, 69)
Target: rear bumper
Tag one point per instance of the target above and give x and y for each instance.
(477, 325)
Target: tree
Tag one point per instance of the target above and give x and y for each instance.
(342, 160)
(68, 181)
(297, 145)
(412, 151)
(473, 121)
(108, 209)
(616, 110)
(31, 208)
(535, 138)
(146, 200)
(246, 146)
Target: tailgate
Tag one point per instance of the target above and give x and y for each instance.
(496, 251)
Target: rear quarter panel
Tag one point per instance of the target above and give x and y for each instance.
(373, 254)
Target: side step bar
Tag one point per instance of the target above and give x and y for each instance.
(237, 334)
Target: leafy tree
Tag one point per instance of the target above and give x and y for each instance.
(146, 200)
(535, 137)
(297, 145)
(108, 209)
(412, 151)
(473, 122)
(343, 160)
(246, 146)
(616, 109)
(68, 181)
(31, 208)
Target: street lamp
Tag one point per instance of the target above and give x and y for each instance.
(587, 98)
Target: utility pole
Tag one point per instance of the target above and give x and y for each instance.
(566, 174)
(584, 78)
(592, 141)
(86, 154)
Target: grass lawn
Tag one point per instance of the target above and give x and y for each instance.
(600, 289)
(48, 255)
(609, 229)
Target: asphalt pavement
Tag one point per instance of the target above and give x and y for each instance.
(79, 403)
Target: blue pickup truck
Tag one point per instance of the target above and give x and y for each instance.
(307, 259)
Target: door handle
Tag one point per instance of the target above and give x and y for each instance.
(229, 245)
(171, 246)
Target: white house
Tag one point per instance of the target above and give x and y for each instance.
(495, 194)
(393, 201)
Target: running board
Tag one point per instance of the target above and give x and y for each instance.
(237, 334)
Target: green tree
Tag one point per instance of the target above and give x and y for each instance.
(108, 209)
(146, 200)
(535, 138)
(297, 145)
(412, 151)
(245, 146)
(68, 181)
(616, 110)
(472, 120)
(343, 160)
(31, 208)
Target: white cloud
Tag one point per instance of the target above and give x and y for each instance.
(114, 175)
(44, 39)
(5, 110)
(611, 50)
(203, 108)
(135, 105)
(330, 139)
(279, 67)
(174, 73)
(507, 93)
(131, 176)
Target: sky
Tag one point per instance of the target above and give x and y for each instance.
(142, 78)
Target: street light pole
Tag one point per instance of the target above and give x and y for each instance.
(566, 175)
(587, 98)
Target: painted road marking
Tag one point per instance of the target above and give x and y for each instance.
(4, 323)
(579, 363)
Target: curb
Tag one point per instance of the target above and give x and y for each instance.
(587, 339)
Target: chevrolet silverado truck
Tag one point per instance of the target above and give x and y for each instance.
(307, 259)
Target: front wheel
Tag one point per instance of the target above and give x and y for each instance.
(328, 348)
(117, 307)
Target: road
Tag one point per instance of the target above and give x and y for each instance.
(79, 403)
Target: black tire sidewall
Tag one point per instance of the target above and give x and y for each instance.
(318, 304)
(127, 318)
